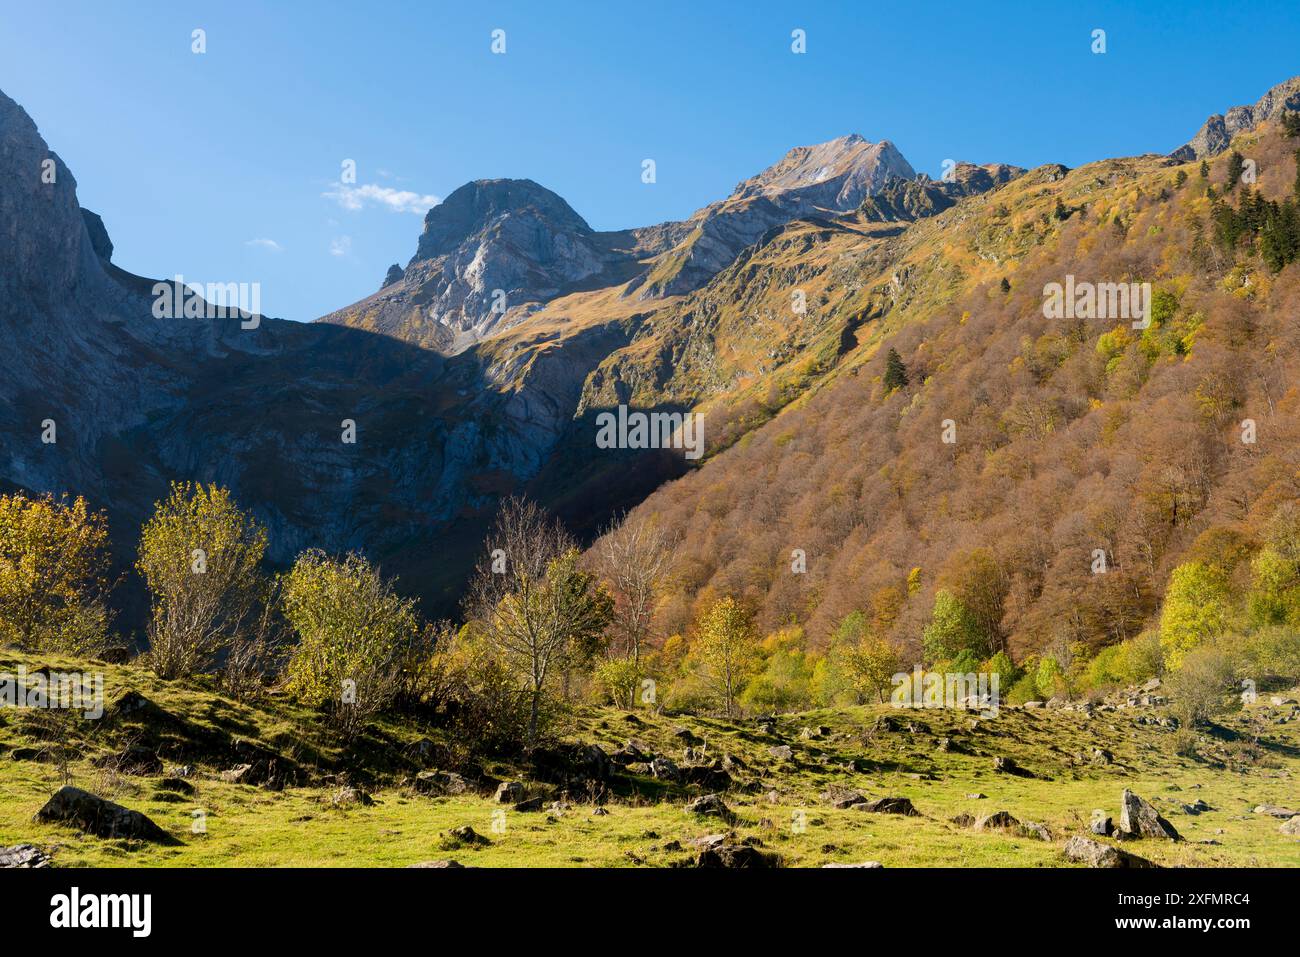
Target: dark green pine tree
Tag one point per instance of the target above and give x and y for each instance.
(1205, 170)
(895, 371)
(1236, 166)
(1296, 187)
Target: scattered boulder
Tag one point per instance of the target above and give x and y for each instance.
(1034, 829)
(465, 836)
(1274, 811)
(532, 804)
(997, 821)
(709, 777)
(665, 769)
(352, 796)
(687, 736)
(977, 796)
(1083, 850)
(509, 792)
(1196, 807)
(888, 805)
(1101, 757)
(1137, 818)
(1006, 765)
(576, 766)
(440, 782)
(1101, 823)
(600, 812)
(873, 865)
(782, 752)
(447, 864)
(842, 797)
(177, 785)
(736, 856)
(1291, 827)
(709, 804)
(25, 856)
(100, 817)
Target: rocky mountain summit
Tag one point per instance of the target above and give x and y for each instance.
(1213, 138)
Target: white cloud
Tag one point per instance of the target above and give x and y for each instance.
(269, 244)
(340, 245)
(397, 200)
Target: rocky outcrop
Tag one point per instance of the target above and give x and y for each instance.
(827, 179)
(1217, 133)
(1137, 818)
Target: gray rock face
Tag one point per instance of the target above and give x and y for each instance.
(1137, 818)
(490, 255)
(100, 817)
(1213, 138)
(826, 179)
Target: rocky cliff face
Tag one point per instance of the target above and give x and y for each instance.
(1213, 138)
(827, 179)
(490, 255)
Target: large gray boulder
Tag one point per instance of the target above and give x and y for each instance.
(1137, 818)
(101, 817)
(1083, 850)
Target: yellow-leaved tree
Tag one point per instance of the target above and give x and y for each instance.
(200, 557)
(53, 575)
(724, 648)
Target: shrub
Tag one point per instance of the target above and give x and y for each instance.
(1204, 685)
(354, 636)
(1025, 689)
(200, 557)
(618, 680)
(53, 567)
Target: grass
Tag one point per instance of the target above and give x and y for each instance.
(779, 804)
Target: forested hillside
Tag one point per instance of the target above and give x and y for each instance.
(1009, 481)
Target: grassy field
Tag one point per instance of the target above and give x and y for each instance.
(1250, 759)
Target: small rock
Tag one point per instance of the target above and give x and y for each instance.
(709, 804)
(1292, 826)
(448, 865)
(25, 856)
(509, 792)
(888, 805)
(532, 804)
(997, 821)
(782, 752)
(873, 865)
(1274, 811)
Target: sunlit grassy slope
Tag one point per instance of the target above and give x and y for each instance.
(776, 802)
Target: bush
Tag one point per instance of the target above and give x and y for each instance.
(617, 681)
(354, 637)
(1203, 686)
(200, 557)
(1025, 689)
(1272, 652)
(53, 562)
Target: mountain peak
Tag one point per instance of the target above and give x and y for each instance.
(838, 174)
(1217, 132)
(479, 204)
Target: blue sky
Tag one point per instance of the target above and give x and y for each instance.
(221, 166)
